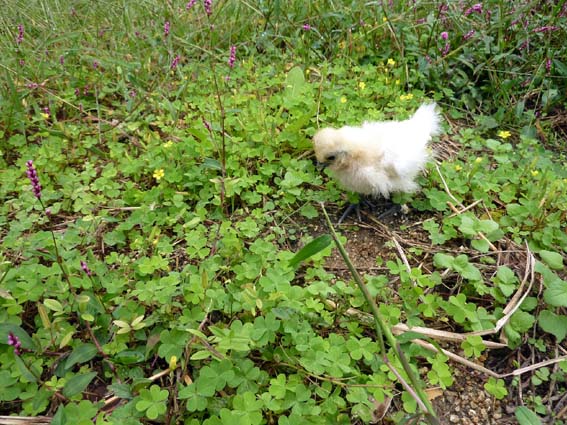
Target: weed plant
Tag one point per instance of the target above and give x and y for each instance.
(156, 184)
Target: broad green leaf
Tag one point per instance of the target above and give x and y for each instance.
(552, 259)
(443, 261)
(294, 84)
(83, 353)
(53, 305)
(554, 324)
(526, 417)
(77, 384)
(315, 246)
(24, 370)
(556, 294)
(129, 357)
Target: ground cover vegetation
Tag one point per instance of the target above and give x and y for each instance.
(158, 187)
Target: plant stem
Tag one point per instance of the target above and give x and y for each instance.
(382, 329)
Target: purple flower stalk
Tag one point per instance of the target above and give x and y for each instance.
(62, 60)
(166, 28)
(190, 4)
(548, 64)
(207, 125)
(208, 7)
(306, 27)
(15, 342)
(86, 269)
(445, 35)
(546, 28)
(175, 62)
(20, 37)
(445, 49)
(232, 57)
(475, 8)
(95, 64)
(34, 179)
(468, 35)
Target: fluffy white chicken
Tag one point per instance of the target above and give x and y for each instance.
(379, 158)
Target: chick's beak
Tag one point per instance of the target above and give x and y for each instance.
(321, 165)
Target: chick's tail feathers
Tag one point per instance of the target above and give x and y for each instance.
(427, 119)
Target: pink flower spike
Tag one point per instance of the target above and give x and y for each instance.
(475, 8)
(306, 27)
(444, 35)
(175, 62)
(86, 269)
(232, 57)
(15, 342)
(31, 172)
(208, 4)
(20, 37)
(468, 35)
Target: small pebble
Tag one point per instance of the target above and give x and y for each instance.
(454, 419)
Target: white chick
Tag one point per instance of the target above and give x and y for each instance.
(379, 158)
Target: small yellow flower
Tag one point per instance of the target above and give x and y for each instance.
(478, 160)
(343, 99)
(362, 85)
(458, 167)
(158, 174)
(44, 116)
(391, 62)
(172, 362)
(342, 44)
(397, 82)
(384, 19)
(168, 144)
(535, 172)
(408, 96)
(504, 134)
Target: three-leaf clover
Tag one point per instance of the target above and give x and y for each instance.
(152, 401)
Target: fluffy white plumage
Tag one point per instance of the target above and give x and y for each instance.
(379, 158)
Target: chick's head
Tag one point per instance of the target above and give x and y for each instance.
(331, 149)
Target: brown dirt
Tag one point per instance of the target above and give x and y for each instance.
(465, 402)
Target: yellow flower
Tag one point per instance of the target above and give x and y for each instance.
(343, 99)
(342, 44)
(168, 144)
(391, 62)
(478, 160)
(44, 116)
(158, 174)
(408, 96)
(504, 134)
(458, 167)
(362, 85)
(384, 19)
(535, 172)
(397, 82)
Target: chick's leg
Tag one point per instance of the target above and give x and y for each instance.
(348, 212)
(386, 206)
(364, 202)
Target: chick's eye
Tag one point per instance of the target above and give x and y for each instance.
(331, 158)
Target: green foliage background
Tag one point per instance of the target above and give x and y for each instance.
(186, 186)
